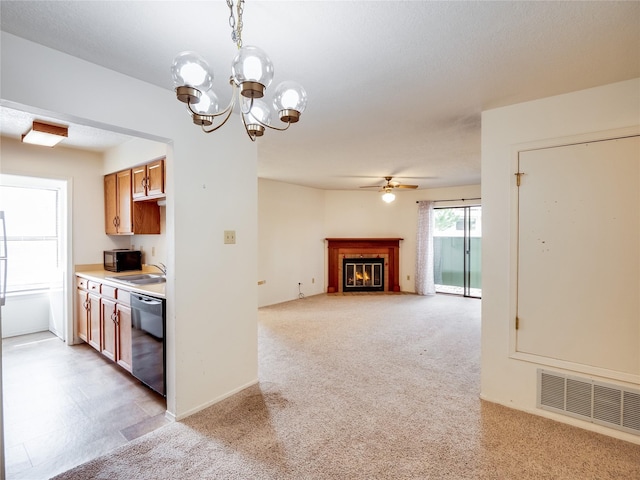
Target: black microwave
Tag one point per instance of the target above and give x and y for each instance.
(121, 260)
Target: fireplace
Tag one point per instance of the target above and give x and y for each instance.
(384, 251)
(363, 274)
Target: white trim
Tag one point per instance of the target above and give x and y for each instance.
(190, 412)
(610, 432)
(513, 261)
(630, 378)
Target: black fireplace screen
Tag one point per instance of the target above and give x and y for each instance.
(363, 274)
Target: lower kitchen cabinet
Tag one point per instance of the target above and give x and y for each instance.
(82, 322)
(123, 357)
(103, 320)
(94, 337)
(109, 329)
(88, 312)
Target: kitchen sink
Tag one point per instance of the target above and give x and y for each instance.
(139, 278)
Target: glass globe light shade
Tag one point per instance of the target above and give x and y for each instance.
(259, 111)
(208, 104)
(290, 95)
(252, 65)
(388, 197)
(191, 70)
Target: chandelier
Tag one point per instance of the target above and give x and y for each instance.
(251, 74)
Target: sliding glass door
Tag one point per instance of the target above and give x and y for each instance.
(457, 242)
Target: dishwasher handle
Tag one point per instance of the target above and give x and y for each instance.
(144, 303)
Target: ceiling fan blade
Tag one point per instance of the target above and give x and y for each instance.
(371, 186)
(406, 186)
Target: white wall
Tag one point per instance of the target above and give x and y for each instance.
(296, 220)
(291, 241)
(507, 380)
(211, 307)
(28, 313)
(136, 151)
(83, 170)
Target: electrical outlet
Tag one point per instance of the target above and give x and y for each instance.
(229, 236)
(153, 251)
(313, 280)
(408, 277)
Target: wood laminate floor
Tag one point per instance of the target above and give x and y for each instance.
(64, 405)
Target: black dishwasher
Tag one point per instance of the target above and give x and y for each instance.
(147, 341)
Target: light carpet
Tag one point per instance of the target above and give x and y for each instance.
(367, 387)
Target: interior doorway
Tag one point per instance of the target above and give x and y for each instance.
(36, 217)
(457, 243)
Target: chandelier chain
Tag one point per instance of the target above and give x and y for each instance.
(236, 25)
(240, 8)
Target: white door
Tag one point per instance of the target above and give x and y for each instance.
(579, 254)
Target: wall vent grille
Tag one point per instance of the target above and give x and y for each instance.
(598, 402)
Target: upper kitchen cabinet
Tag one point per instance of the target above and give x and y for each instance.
(117, 203)
(123, 216)
(148, 181)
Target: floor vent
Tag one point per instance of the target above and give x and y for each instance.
(598, 402)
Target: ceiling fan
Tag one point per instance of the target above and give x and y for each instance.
(387, 188)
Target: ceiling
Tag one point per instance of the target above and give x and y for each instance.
(395, 87)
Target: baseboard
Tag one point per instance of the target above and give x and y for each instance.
(574, 422)
(190, 412)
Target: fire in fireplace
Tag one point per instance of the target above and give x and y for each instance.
(363, 274)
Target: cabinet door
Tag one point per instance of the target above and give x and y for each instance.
(94, 329)
(125, 224)
(155, 178)
(139, 183)
(110, 204)
(123, 315)
(82, 314)
(109, 318)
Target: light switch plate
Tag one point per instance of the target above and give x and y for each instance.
(229, 236)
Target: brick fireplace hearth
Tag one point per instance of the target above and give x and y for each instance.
(385, 248)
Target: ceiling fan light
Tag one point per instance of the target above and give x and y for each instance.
(252, 70)
(388, 196)
(45, 134)
(191, 70)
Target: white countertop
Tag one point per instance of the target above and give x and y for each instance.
(100, 275)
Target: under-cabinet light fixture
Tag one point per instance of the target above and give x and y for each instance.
(45, 134)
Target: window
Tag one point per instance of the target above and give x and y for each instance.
(32, 215)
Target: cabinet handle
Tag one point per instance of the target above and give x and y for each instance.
(115, 223)
(143, 182)
(85, 304)
(114, 317)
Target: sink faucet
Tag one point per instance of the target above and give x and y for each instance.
(161, 266)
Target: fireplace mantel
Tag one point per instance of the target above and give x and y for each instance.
(341, 247)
